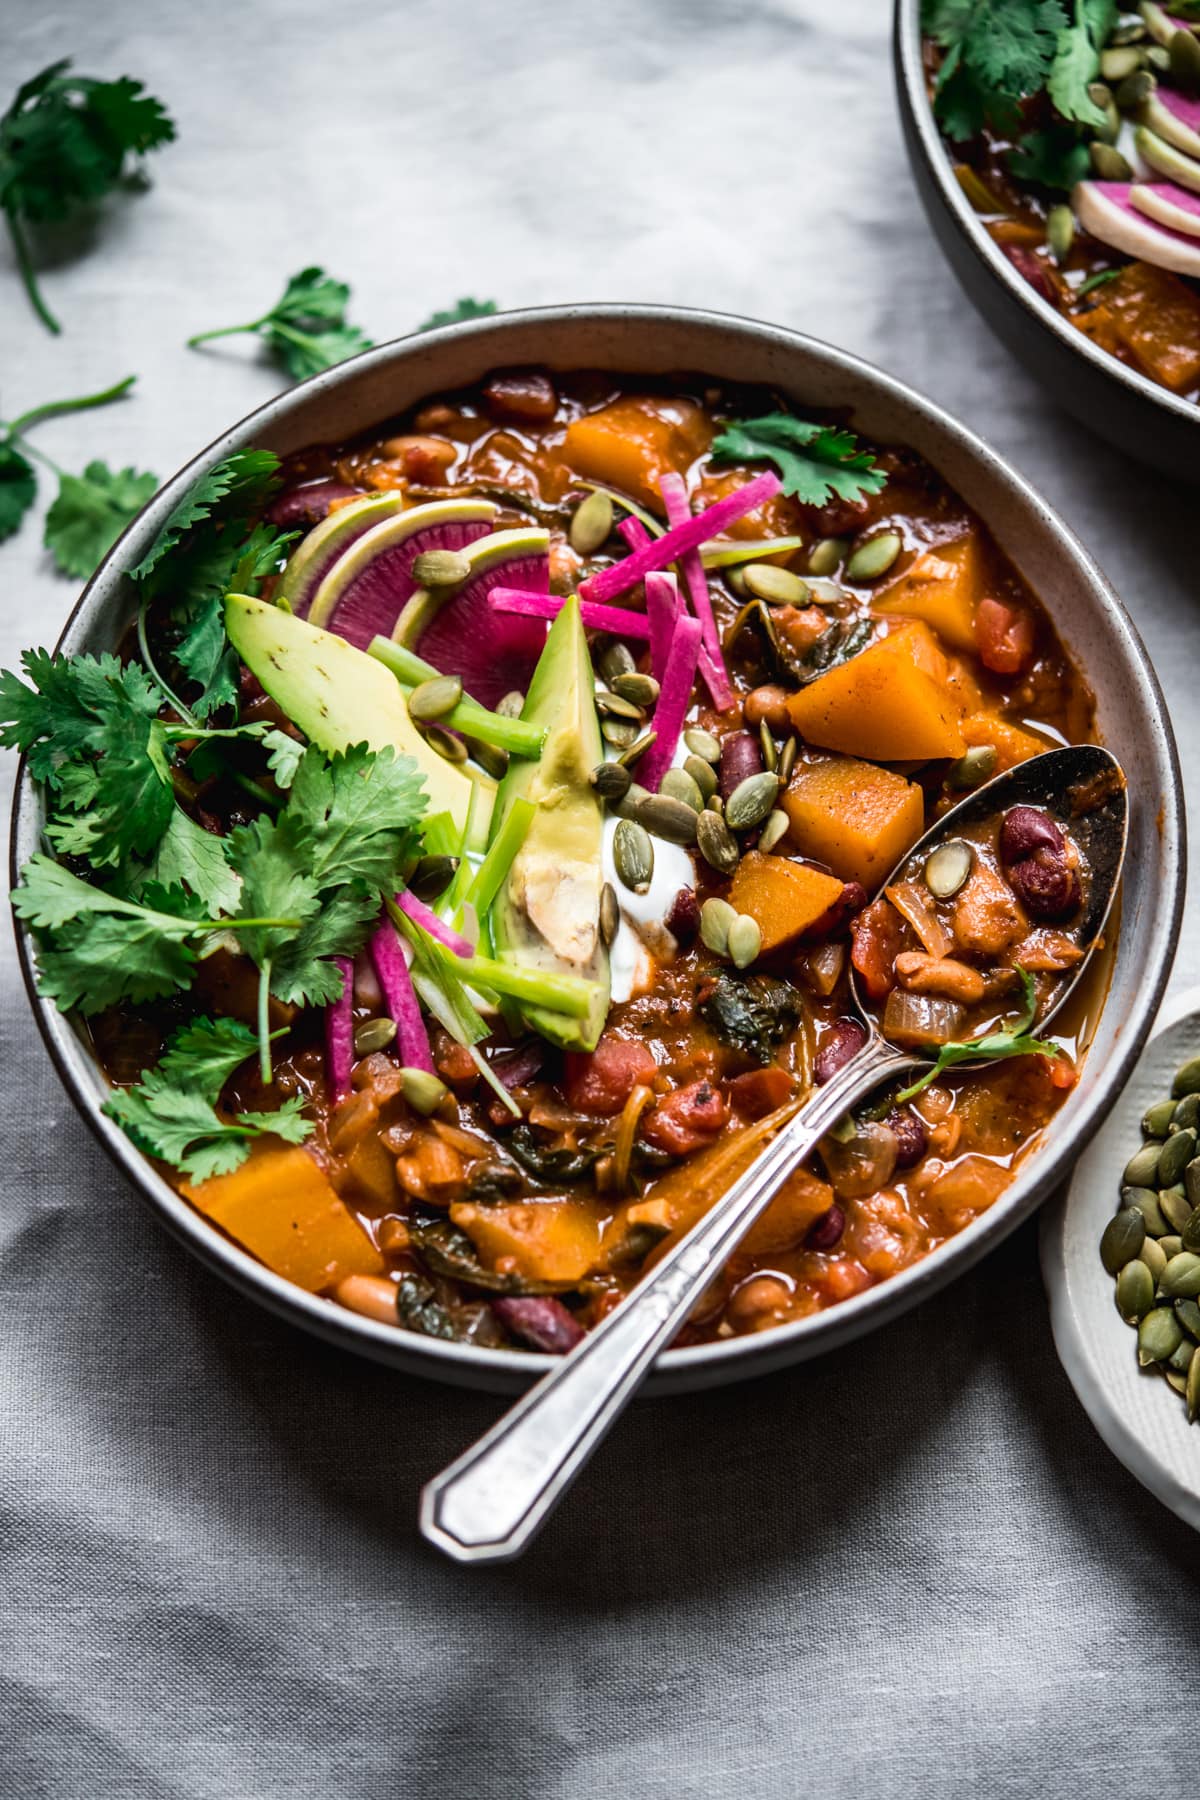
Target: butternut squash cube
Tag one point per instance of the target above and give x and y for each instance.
(282, 1208)
(943, 587)
(855, 816)
(544, 1240)
(634, 442)
(783, 898)
(890, 703)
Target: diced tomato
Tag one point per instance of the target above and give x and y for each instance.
(600, 1083)
(759, 1091)
(877, 937)
(454, 1063)
(1004, 636)
(687, 1119)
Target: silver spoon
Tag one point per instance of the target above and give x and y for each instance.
(487, 1506)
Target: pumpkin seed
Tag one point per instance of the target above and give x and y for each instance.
(616, 659)
(372, 1035)
(610, 913)
(638, 748)
(511, 705)
(1187, 1081)
(703, 744)
(1181, 1277)
(1181, 1362)
(440, 568)
(1187, 1112)
(1159, 1336)
(641, 689)
(1101, 95)
(1141, 1171)
(770, 755)
(1175, 1155)
(1122, 1239)
(1184, 53)
(633, 855)
(1135, 90)
(778, 587)
(668, 818)
(620, 733)
(751, 801)
(826, 555)
(1146, 1201)
(1176, 1207)
(716, 917)
(1191, 1392)
(1108, 163)
(1156, 1121)
(1171, 1245)
(716, 843)
(1117, 63)
(1158, 58)
(827, 593)
(773, 830)
(745, 941)
(614, 706)
(627, 808)
(949, 868)
(1135, 1290)
(490, 757)
(423, 1090)
(1154, 1257)
(443, 741)
(1188, 1314)
(1189, 1231)
(1128, 31)
(737, 582)
(611, 780)
(875, 557)
(433, 699)
(591, 524)
(1175, 1380)
(1060, 227)
(703, 774)
(715, 804)
(973, 768)
(787, 761)
(677, 784)
(1191, 1181)
(432, 875)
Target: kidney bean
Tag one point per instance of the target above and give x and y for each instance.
(1025, 829)
(683, 920)
(527, 395)
(741, 755)
(769, 703)
(846, 1039)
(1046, 884)
(541, 1320)
(1030, 269)
(911, 1134)
(307, 505)
(824, 1233)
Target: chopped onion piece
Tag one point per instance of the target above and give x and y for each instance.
(921, 1021)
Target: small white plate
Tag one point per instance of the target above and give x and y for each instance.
(1139, 1417)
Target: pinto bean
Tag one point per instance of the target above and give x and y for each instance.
(300, 506)
(922, 974)
(522, 396)
(741, 755)
(758, 1303)
(770, 703)
(1025, 829)
(826, 1232)
(846, 1038)
(369, 1295)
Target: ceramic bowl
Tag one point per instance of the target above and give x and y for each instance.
(1127, 408)
(1092, 621)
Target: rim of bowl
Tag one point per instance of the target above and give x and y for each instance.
(936, 153)
(701, 1364)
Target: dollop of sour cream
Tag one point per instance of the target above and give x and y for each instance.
(632, 965)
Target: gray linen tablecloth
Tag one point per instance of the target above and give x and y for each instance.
(911, 1569)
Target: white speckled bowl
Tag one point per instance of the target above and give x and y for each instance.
(1092, 620)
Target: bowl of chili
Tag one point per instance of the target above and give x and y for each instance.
(851, 541)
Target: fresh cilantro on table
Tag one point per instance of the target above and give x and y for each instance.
(815, 461)
(458, 314)
(18, 488)
(65, 142)
(1016, 1041)
(306, 329)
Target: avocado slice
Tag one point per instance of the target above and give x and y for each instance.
(547, 914)
(339, 696)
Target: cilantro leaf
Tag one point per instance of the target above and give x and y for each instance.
(284, 756)
(105, 958)
(1054, 158)
(1016, 1041)
(231, 492)
(269, 855)
(182, 1127)
(815, 461)
(358, 812)
(18, 488)
(65, 142)
(73, 706)
(302, 970)
(306, 329)
(205, 1053)
(90, 512)
(190, 857)
(998, 53)
(459, 313)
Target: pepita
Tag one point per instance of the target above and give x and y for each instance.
(432, 875)
(433, 699)
(949, 868)
(627, 808)
(611, 780)
(641, 689)
(716, 917)
(1135, 1290)
(1181, 1362)
(1175, 1380)
(702, 773)
(490, 757)
(1108, 163)
(1171, 1245)
(591, 524)
(1189, 1231)
(1141, 1171)
(610, 913)
(1181, 1277)
(1188, 1314)
(1187, 1112)
(668, 818)
(1122, 1239)
(1060, 225)
(1127, 31)
(440, 568)
(423, 1090)
(1176, 1207)
(973, 768)
(703, 744)
(875, 557)
(616, 659)
(620, 733)
(677, 784)
(1135, 90)
(373, 1035)
(787, 761)
(511, 705)
(614, 706)
(778, 587)
(1159, 1335)
(638, 748)
(736, 578)
(751, 801)
(1184, 53)
(1158, 58)
(745, 941)
(1175, 1155)
(1187, 1082)
(1156, 1121)
(443, 741)
(826, 555)
(823, 592)
(715, 804)
(716, 843)
(1117, 63)
(1154, 1257)
(770, 754)
(633, 855)
(1191, 1181)
(774, 828)
(1191, 1392)
(1146, 1201)
(1100, 94)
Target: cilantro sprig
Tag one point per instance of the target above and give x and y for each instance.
(814, 461)
(1016, 1041)
(458, 314)
(65, 142)
(306, 329)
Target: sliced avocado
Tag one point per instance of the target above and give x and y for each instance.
(339, 696)
(547, 915)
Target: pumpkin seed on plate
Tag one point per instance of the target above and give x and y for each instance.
(751, 801)
(1157, 1119)
(1141, 1171)
(1187, 1112)
(1123, 1238)
(440, 568)
(703, 744)
(1189, 1231)
(1191, 1392)
(716, 917)
(372, 1035)
(774, 828)
(1187, 1081)
(1181, 1277)
(616, 659)
(423, 1090)
(677, 784)
(638, 748)
(826, 555)
(1175, 1155)
(434, 698)
(778, 587)
(745, 941)
(610, 913)
(620, 733)
(633, 855)
(875, 557)
(1060, 222)
(702, 773)
(1188, 1314)
(1176, 1207)
(668, 818)
(716, 843)
(1108, 163)
(770, 754)
(1171, 1245)
(641, 689)
(1154, 1256)
(1181, 1362)
(591, 524)
(1159, 1335)
(1135, 1290)
(948, 869)
(1146, 1201)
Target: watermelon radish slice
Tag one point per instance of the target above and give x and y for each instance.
(320, 548)
(1104, 208)
(460, 633)
(369, 584)
(1167, 205)
(1175, 117)
(1166, 159)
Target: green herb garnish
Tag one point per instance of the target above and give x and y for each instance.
(459, 313)
(65, 142)
(815, 461)
(1016, 1041)
(1100, 279)
(306, 329)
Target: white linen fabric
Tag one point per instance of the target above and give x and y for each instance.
(911, 1569)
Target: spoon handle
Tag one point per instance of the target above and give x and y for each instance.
(489, 1504)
